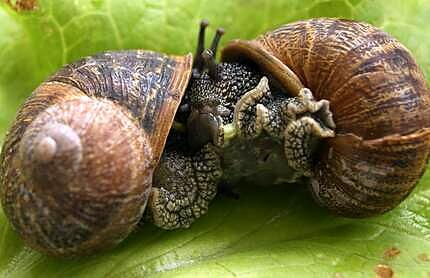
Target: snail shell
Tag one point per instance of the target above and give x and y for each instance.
(76, 167)
(380, 104)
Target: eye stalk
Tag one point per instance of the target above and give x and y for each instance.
(205, 59)
(198, 59)
(215, 42)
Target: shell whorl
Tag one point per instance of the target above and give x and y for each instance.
(83, 169)
(76, 166)
(50, 153)
(380, 104)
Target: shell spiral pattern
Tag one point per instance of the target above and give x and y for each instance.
(76, 167)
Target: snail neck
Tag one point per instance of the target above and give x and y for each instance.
(212, 100)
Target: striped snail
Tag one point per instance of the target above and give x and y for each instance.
(77, 165)
(379, 102)
(337, 101)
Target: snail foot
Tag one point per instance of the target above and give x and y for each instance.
(183, 188)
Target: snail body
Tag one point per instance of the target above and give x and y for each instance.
(337, 101)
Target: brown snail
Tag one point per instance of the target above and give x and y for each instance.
(379, 101)
(78, 164)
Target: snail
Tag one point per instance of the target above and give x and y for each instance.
(356, 123)
(78, 163)
(94, 150)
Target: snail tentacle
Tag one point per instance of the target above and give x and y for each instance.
(301, 138)
(183, 188)
(212, 103)
(198, 63)
(205, 126)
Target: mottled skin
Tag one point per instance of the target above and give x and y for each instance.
(183, 187)
(235, 94)
(255, 114)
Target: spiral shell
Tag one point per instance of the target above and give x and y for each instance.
(76, 167)
(379, 99)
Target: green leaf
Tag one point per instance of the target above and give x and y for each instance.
(275, 231)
